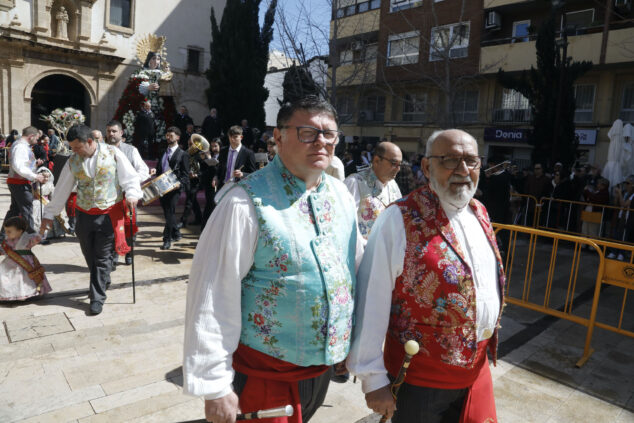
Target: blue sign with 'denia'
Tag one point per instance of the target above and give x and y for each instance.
(518, 135)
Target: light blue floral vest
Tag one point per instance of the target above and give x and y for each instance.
(297, 299)
(103, 190)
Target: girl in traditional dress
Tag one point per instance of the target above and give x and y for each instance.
(21, 274)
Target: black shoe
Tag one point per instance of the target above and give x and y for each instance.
(177, 237)
(179, 225)
(340, 378)
(95, 308)
(166, 245)
(128, 259)
(45, 241)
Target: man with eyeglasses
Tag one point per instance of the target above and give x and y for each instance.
(374, 188)
(275, 303)
(431, 273)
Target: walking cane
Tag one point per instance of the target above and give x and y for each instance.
(132, 256)
(41, 204)
(411, 349)
(285, 411)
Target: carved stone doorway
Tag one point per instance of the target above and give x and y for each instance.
(57, 91)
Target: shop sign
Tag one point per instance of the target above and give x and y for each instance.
(518, 135)
(586, 136)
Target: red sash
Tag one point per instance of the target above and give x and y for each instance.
(271, 383)
(18, 181)
(116, 214)
(35, 271)
(71, 204)
(479, 405)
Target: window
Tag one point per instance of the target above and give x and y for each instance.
(193, 59)
(396, 5)
(350, 10)
(363, 7)
(367, 53)
(345, 57)
(450, 41)
(514, 107)
(402, 49)
(520, 31)
(340, 13)
(372, 108)
(579, 19)
(414, 106)
(465, 106)
(584, 99)
(627, 107)
(375, 4)
(345, 108)
(120, 13)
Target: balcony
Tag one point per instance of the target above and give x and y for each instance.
(512, 115)
(620, 46)
(516, 56)
(361, 23)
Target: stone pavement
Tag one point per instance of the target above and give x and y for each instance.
(59, 364)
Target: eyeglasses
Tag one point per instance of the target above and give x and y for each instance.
(394, 163)
(309, 134)
(452, 162)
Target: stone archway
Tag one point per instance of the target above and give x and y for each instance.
(58, 91)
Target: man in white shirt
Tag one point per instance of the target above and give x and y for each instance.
(274, 300)
(431, 273)
(22, 164)
(102, 173)
(114, 137)
(374, 188)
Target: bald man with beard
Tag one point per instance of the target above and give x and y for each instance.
(432, 273)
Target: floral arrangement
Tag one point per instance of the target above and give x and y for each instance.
(62, 119)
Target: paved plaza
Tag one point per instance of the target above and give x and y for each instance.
(59, 364)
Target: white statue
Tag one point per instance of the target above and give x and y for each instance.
(62, 23)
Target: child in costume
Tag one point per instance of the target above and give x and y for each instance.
(21, 274)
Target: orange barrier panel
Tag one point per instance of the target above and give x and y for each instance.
(609, 272)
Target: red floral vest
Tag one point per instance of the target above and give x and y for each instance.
(434, 299)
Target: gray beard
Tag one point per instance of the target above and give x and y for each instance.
(459, 200)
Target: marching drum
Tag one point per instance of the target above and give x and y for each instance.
(159, 186)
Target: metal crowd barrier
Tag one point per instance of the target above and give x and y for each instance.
(524, 209)
(556, 295)
(553, 212)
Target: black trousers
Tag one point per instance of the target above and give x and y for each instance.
(312, 392)
(210, 204)
(191, 203)
(168, 203)
(429, 405)
(96, 239)
(21, 205)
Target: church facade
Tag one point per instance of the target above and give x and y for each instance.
(80, 53)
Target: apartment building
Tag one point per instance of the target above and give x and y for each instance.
(407, 67)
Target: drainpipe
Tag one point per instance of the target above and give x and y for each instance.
(606, 31)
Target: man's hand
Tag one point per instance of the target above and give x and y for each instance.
(340, 368)
(152, 172)
(41, 178)
(214, 182)
(46, 223)
(237, 173)
(153, 86)
(132, 202)
(222, 410)
(38, 162)
(381, 401)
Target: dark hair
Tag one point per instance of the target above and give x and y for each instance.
(17, 222)
(79, 132)
(216, 140)
(311, 103)
(149, 57)
(29, 130)
(235, 130)
(114, 122)
(173, 129)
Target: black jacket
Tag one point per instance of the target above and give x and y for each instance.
(245, 161)
(179, 163)
(211, 128)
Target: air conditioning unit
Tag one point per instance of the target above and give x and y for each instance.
(493, 20)
(357, 45)
(366, 115)
(623, 4)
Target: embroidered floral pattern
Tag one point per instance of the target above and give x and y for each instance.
(103, 190)
(373, 199)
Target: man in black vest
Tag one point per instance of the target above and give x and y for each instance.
(177, 160)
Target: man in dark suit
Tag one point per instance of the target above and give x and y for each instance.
(211, 127)
(177, 160)
(144, 130)
(183, 119)
(247, 134)
(236, 161)
(208, 168)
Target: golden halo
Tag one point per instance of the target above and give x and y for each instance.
(148, 43)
